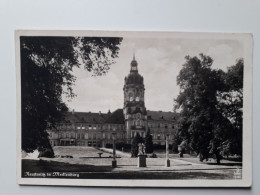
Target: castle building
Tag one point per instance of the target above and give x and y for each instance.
(98, 129)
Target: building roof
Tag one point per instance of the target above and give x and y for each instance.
(86, 117)
(117, 117)
(134, 77)
(160, 115)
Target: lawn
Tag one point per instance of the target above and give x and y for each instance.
(86, 163)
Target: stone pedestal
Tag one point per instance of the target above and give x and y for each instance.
(141, 160)
(167, 163)
(114, 164)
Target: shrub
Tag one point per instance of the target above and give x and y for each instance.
(48, 153)
(153, 155)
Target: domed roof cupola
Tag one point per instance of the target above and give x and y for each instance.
(134, 77)
(134, 65)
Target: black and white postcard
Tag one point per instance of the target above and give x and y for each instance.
(134, 109)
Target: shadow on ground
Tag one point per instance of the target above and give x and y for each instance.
(42, 166)
(106, 172)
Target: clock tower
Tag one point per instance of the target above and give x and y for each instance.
(134, 108)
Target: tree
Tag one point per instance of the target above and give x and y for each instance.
(134, 148)
(230, 104)
(46, 75)
(148, 142)
(197, 101)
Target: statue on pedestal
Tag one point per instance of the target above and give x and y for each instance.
(141, 155)
(141, 149)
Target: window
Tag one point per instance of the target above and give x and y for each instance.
(89, 126)
(159, 136)
(86, 136)
(130, 96)
(78, 127)
(94, 127)
(71, 135)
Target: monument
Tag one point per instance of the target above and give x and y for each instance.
(141, 155)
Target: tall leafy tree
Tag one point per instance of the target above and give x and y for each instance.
(230, 103)
(46, 75)
(197, 101)
(148, 142)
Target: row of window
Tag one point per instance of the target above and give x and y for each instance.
(92, 127)
(156, 136)
(133, 134)
(86, 136)
(89, 143)
(138, 123)
(160, 125)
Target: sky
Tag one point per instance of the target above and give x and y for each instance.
(159, 62)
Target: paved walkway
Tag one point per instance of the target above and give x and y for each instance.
(185, 162)
(89, 156)
(118, 153)
(87, 162)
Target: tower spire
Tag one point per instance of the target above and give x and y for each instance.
(134, 55)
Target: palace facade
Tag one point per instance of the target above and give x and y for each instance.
(99, 129)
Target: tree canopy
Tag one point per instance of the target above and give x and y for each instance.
(148, 142)
(46, 75)
(204, 123)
